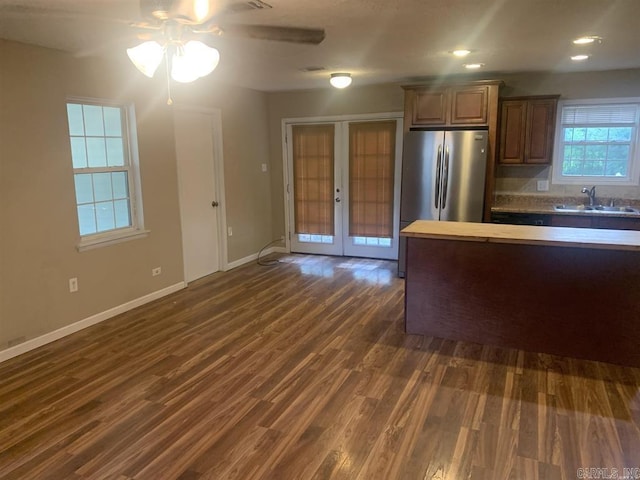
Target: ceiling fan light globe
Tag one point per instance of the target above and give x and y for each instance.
(146, 57)
(340, 80)
(193, 60)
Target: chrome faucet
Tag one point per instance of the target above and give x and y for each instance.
(591, 193)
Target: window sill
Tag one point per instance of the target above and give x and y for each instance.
(98, 242)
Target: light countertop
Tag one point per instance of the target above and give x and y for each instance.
(550, 210)
(525, 234)
(537, 204)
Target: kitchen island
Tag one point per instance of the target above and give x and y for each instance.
(566, 291)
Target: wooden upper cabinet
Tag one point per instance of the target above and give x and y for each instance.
(456, 105)
(429, 107)
(527, 128)
(512, 131)
(469, 105)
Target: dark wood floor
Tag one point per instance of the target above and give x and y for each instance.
(302, 371)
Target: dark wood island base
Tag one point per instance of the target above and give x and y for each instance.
(561, 293)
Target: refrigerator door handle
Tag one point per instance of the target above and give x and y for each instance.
(445, 180)
(438, 175)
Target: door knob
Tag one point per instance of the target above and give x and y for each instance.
(214, 204)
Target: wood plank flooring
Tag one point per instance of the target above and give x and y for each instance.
(303, 371)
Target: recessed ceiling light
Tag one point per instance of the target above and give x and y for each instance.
(473, 66)
(579, 58)
(461, 52)
(587, 40)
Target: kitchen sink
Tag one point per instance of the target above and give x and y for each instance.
(572, 208)
(601, 208)
(595, 209)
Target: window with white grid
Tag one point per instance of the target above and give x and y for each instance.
(104, 171)
(597, 142)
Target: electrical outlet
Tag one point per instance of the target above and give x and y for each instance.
(156, 271)
(264, 167)
(230, 231)
(73, 285)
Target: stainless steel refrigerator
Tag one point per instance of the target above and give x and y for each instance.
(443, 178)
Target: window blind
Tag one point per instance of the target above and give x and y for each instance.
(371, 170)
(313, 171)
(613, 114)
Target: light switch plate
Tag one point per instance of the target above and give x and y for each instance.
(543, 185)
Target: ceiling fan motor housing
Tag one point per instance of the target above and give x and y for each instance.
(158, 9)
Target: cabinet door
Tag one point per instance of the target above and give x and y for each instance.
(513, 131)
(469, 105)
(430, 107)
(618, 223)
(580, 221)
(541, 116)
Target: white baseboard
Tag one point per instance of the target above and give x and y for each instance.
(112, 312)
(254, 256)
(87, 322)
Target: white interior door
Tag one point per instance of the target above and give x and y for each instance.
(200, 201)
(342, 240)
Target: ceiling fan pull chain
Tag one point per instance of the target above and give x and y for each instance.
(169, 99)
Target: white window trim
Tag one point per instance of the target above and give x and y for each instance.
(136, 230)
(634, 174)
(102, 240)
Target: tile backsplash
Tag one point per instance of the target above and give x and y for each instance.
(523, 180)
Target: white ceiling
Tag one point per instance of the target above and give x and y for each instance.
(378, 41)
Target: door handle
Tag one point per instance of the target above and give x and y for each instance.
(214, 204)
(445, 180)
(438, 174)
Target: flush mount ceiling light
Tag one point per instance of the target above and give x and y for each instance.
(340, 80)
(461, 52)
(587, 40)
(473, 66)
(579, 58)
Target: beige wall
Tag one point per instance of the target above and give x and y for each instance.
(38, 225)
(317, 103)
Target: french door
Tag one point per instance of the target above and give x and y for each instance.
(343, 186)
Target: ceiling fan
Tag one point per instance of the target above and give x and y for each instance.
(174, 30)
(202, 17)
(178, 31)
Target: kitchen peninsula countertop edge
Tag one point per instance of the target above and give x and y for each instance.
(525, 235)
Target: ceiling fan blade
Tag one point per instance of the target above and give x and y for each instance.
(33, 11)
(244, 7)
(146, 25)
(312, 36)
